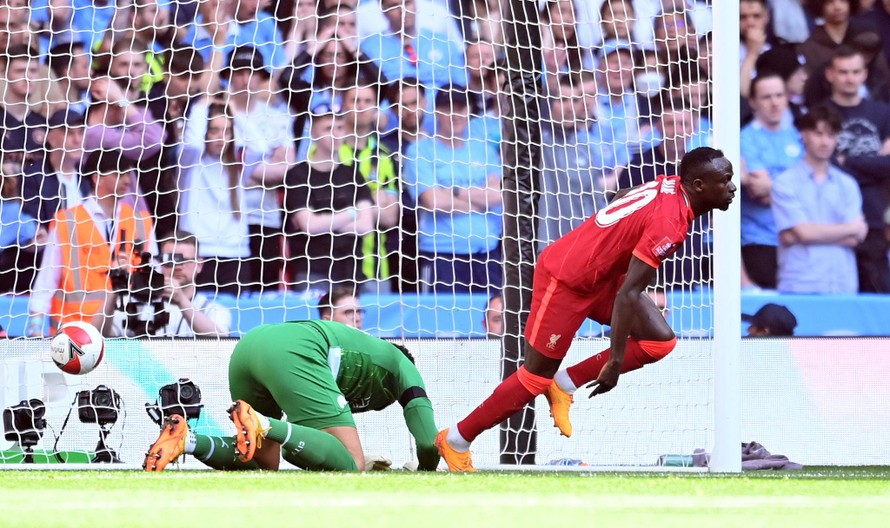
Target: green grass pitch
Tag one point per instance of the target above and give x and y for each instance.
(842, 497)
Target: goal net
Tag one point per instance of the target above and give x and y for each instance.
(180, 173)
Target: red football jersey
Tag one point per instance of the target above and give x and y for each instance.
(650, 222)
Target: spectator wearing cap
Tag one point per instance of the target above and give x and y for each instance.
(55, 183)
(85, 242)
(770, 145)
(321, 74)
(70, 64)
(405, 49)
(455, 179)
(818, 212)
(329, 208)
(771, 320)
(264, 138)
(573, 176)
(212, 199)
(617, 105)
(243, 23)
(365, 153)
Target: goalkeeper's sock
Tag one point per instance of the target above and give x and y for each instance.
(191, 441)
(309, 448)
(218, 452)
(636, 355)
(510, 396)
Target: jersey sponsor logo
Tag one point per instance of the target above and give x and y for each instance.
(664, 248)
(669, 187)
(553, 339)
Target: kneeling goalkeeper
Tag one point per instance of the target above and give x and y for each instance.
(317, 373)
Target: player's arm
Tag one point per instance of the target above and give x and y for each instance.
(628, 303)
(418, 412)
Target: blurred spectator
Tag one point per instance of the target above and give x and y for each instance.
(244, 23)
(320, 75)
(304, 27)
(877, 83)
(54, 183)
(20, 235)
(23, 115)
(213, 199)
(65, 21)
(791, 22)
(879, 17)
(409, 99)
(484, 88)
(863, 150)
(480, 19)
(144, 28)
(407, 49)
(15, 26)
(85, 242)
(428, 15)
(171, 101)
(754, 21)
(493, 322)
(561, 49)
(771, 320)
(697, 13)
(675, 37)
(342, 306)
(770, 145)
(189, 313)
(836, 30)
(818, 210)
(573, 181)
(617, 103)
(363, 151)
(264, 133)
(455, 179)
(783, 61)
(617, 19)
(675, 124)
(70, 65)
(329, 208)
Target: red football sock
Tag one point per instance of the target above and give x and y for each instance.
(508, 398)
(634, 357)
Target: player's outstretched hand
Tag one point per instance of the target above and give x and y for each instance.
(377, 463)
(607, 379)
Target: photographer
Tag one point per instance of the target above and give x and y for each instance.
(175, 308)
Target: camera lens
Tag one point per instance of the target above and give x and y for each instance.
(186, 392)
(102, 399)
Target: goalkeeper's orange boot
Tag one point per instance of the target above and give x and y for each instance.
(249, 431)
(560, 402)
(457, 462)
(169, 445)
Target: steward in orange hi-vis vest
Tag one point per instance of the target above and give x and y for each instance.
(87, 257)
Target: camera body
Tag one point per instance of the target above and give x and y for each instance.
(182, 398)
(24, 423)
(145, 286)
(99, 406)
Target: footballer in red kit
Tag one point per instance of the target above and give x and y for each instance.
(600, 271)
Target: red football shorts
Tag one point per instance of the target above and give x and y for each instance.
(558, 312)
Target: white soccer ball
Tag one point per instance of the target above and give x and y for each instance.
(77, 348)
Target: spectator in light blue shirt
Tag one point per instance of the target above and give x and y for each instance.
(770, 145)
(455, 179)
(818, 210)
(80, 21)
(408, 51)
(247, 25)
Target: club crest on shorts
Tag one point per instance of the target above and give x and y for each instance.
(553, 339)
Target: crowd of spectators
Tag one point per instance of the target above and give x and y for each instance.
(317, 144)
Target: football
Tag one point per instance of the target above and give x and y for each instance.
(77, 348)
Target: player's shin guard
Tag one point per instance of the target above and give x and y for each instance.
(309, 448)
(509, 397)
(636, 355)
(216, 452)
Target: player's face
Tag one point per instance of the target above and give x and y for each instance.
(717, 187)
(494, 318)
(348, 311)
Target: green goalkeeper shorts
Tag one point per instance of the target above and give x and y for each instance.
(283, 368)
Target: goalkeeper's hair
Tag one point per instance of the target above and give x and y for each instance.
(697, 163)
(404, 351)
(332, 298)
